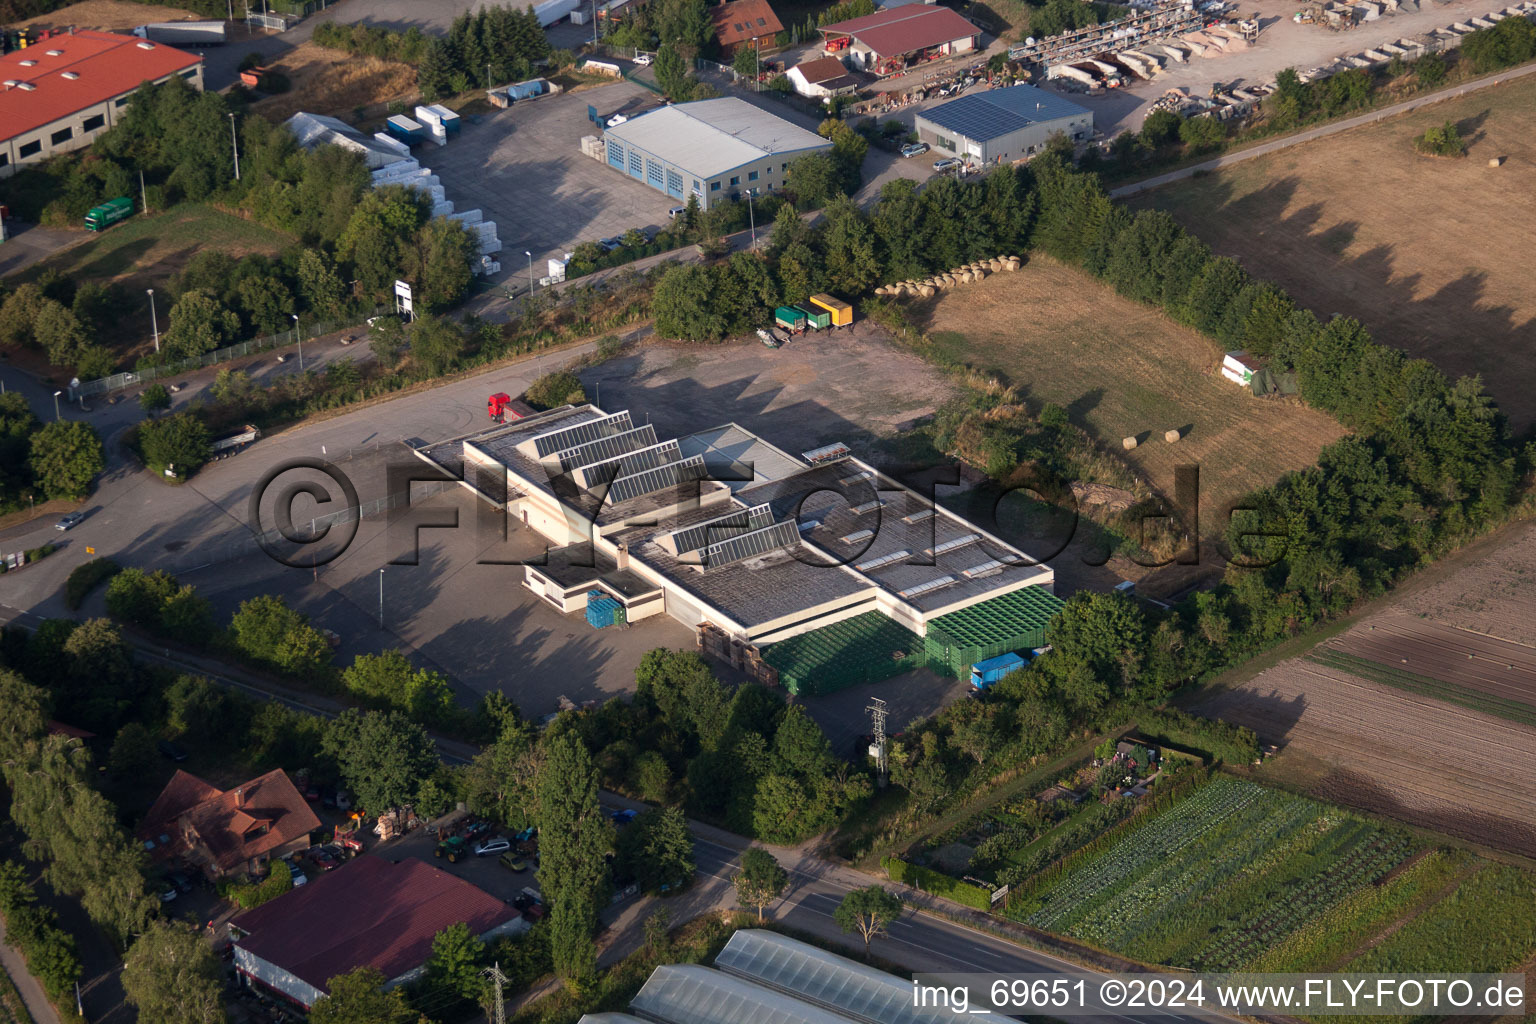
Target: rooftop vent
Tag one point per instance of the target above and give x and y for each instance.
(958, 542)
(146, 46)
(988, 568)
(29, 63)
(875, 563)
(71, 75)
(917, 517)
(931, 585)
(868, 506)
(857, 535)
(55, 53)
(28, 86)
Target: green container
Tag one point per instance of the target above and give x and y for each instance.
(109, 213)
(789, 318)
(817, 318)
(863, 649)
(1014, 621)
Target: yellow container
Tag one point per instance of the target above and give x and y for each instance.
(842, 312)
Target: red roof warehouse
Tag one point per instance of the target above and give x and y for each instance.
(367, 913)
(882, 42)
(65, 89)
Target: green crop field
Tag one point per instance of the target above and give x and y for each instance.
(1214, 881)
(1486, 924)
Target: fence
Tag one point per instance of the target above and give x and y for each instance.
(118, 381)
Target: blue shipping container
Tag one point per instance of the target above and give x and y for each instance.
(603, 610)
(985, 673)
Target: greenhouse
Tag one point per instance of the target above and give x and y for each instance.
(864, 649)
(689, 994)
(837, 983)
(1014, 621)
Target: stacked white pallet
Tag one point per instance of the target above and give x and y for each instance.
(392, 143)
(468, 217)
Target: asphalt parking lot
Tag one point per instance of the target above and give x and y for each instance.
(523, 167)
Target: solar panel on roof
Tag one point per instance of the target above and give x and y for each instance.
(931, 585)
(750, 545)
(955, 544)
(875, 563)
(607, 447)
(826, 453)
(589, 430)
(628, 464)
(701, 535)
(652, 480)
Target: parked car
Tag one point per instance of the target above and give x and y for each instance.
(180, 880)
(624, 817)
(514, 861)
(312, 792)
(69, 522)
(491, 846)
(914, 149)
(167, 892)
(172, 751)
(643, 59)
(343, 801)
(615, 120)
(610, 244)
(299, 877)
(323, 860)
(949, 163)
(677, 211)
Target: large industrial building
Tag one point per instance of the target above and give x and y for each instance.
(1002, 125)
(369, 912)
(763, 553)
(762, 977)
(69, 87)
(886, 42)
(712, 149)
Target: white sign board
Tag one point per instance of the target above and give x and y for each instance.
(403, 296)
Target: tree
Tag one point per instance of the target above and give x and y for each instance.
(19, 312)
(814, 178)
(657, 849)
(178, 443)
(745, 62)
(442, 263)
(266, 630)
(672, 74)
(1202, 133)
(383, 224)
(574, 836)
(800, 744)
(684, 305)
(867, 912)
(136, 596)
(133, 755)
(320, 285)
(358, 997)
(26, 713)
(760, 881)
(154, 399)
(170, 974)
(382, 756)
(390, 679)
(556, 388)
(199, 323)
(454, 967)
(62, 336)
(1159, 128)
(66, 456)
(852, 264)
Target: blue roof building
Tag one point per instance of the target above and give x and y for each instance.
(1002, 125)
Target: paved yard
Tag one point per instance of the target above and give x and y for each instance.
(524, 168)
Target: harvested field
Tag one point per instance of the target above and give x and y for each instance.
(1495, 596)
(327, 81)
(1375, 747)
(1432, 255)
(1121, 369)
(112, 15)
(1502, 670)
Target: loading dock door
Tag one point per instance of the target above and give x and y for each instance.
(653, 173)
(615, 155)
(674, 184)
(636, 168)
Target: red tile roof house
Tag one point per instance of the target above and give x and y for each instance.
(367, 913)
(883, 42)
(739, 23)
(232, 832)
(66, 89)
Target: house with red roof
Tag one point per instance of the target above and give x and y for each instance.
(67, 88)
(745, 23)
(886, 42)
(370, 912)
(227, 832)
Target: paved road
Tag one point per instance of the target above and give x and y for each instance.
(32, 993)
(1322, 131)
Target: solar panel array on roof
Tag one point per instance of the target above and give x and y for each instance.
(826, 453)
(628, 464)
(750, 545)
(607, 447)
(701, 535)
(652, 480)
(826, 979)
(999, 112)
(559, 440)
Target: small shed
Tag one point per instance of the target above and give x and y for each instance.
(1239, 368)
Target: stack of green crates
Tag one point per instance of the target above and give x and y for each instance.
(863, 649)
(1016, 621)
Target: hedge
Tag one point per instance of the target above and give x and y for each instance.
(1211, 738)
(937, 883)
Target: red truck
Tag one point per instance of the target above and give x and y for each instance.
(502, 406)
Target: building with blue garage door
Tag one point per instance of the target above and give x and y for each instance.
(713, 149)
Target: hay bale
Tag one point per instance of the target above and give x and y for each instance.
(1128, 443)
(1496, 161)
(965, 277)
(1011, 265)
(1171, 436)
(995, 266)
(979, 274)
(926, 291)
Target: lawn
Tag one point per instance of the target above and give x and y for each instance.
(1121, 369)
(1431, 254)
(144, 252)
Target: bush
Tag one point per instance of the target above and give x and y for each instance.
(278, 881)
(1211, 738)
(1441, 140)
(553, 389)
(85, 578)
(938, 883)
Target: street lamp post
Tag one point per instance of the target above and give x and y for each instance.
(56, 414)
(487, 79)
(381, 597)
(299, 339)
(154, 325)
(235, 141)
(530, 272)
(752, 216)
